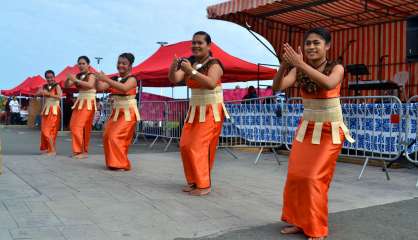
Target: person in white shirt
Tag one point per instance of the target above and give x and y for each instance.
(15, 110)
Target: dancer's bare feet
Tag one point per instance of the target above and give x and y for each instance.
(51, 154)
(119, 169)
(200, 192)
(79, 156)
(189, 188)
(290, 230)
(316, 238)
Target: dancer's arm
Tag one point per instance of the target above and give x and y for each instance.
(215, 73)
(58, 95)
(124, 87)
(89, 84)
(175, 76)
(282, 81)
(40, 92)
(324, 81)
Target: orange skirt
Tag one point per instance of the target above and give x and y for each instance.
(49, 128)
(198, 144)
(116, 140)
(80, 126)
(310, 171)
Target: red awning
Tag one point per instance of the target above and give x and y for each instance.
(27, 88)
(153, 72)
(306, 14)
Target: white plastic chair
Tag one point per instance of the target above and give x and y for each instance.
(401, 78)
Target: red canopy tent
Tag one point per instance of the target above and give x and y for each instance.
(363, 32)
(153, 72)
(27, 88)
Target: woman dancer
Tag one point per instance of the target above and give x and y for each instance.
(120, 127)
(203, 125)
(83, 108)
(51, 113)
(319, 137)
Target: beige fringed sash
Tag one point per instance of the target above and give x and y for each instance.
(86, 96)
(203, 97)
(320, 111)
(125, 103)
(50, 102)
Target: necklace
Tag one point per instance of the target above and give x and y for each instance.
(200, 64)
(320, 65)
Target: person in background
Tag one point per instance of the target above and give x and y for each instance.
(15, 111)
(251, 94)
(67, 111)
(23, 114)
(3, 102)
(50, 113)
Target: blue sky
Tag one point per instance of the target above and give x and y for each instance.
(44, 34)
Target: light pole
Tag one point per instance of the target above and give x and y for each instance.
(162, 43)
(98, 61)
(98, 69)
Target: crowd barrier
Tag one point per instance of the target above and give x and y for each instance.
(254, 123)
(411, 131)
(162, 120)
(384, 128)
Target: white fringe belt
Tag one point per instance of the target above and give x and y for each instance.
(320, 111)
(201, 98)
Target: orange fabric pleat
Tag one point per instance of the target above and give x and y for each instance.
(116, 140)
(310, 171)
(198, 144)
(80, 126)
(49, 128)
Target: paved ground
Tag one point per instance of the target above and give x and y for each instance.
(61, 198)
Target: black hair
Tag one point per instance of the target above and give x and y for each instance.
(129, 56)
(207, 36)
(251, 87)
(49, 71)
(324, 33)
(85, 58)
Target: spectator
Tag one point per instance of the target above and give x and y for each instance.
(68, 103)
(3, 102)
(23, 114)
(15, 111)
(251, 94)
(7, 110)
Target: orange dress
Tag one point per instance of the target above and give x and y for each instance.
(120, 127)
(200, 134)
(51, 115)
(82, 117)
(312, 160)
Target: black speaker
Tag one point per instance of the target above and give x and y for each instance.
(412, 39)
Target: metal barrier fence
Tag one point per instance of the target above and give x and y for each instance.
(162, 120)
(411, 131)
(254, 123)
(379, 124)
(375, 122)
